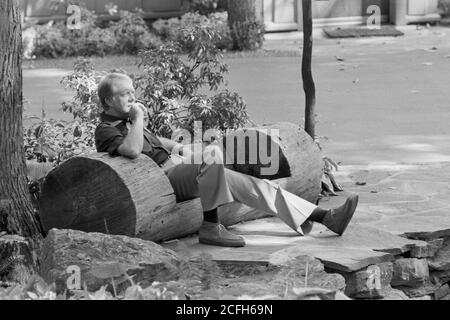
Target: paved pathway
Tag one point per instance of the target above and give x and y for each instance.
(412, 200)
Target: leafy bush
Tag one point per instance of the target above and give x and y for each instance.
(171, 86)
(127, 35)
(132, 33)
(203, 7)
(177, 29)
(54, 141)
(85, 105)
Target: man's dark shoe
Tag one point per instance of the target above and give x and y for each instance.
(217, 235)
(338, 219)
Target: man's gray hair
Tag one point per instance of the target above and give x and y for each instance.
(104, 88)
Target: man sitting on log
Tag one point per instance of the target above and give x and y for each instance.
(122, 132)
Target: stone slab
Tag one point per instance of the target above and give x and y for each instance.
(412, 200)
(370, 282)
(284, 282)
(270, 241)
(441, 261)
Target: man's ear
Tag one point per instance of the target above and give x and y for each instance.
(108, 102)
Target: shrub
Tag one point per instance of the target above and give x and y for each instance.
(83, 80)
(176, 29)
(50, 41)
(127, 35)
(171, 85)
(54, 141)
(132, 33)
(203, 7)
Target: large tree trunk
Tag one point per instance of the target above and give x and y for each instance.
(308, 81)
(246, 23)
(98, 193)
(18, 249)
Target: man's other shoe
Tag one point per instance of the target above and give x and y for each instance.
(338, 219)
(217, 235)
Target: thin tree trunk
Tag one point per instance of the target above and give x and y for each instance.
(19, 248)
(308, 81)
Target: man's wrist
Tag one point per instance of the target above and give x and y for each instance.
(137, 118)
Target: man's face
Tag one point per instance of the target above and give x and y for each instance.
(122, 98)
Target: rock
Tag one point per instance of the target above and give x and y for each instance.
(426, 290)
(393, 294)
(441, 261)
(410, 272)
(439, 277)
(369, 283)
(442, 292)
(427, 297)
(427, 251)
(336, 259)
(286, 281)
(99, 258)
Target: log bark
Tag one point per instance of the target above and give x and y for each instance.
(97, 193)
(16, 210)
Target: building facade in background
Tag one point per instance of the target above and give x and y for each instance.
(278, 15)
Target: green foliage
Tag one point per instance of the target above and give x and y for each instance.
(83, 80)
(172, 84)
(54, 141)
(204, 7)
(176, 29)
(132, 34)
(127, 35)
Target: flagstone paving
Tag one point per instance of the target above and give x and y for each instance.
(395, 201)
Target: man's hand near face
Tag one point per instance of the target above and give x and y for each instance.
(134, 141)
(137, 111)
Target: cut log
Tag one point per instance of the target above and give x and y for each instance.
(116, 195)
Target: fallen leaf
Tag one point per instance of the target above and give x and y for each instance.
(339, 59)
